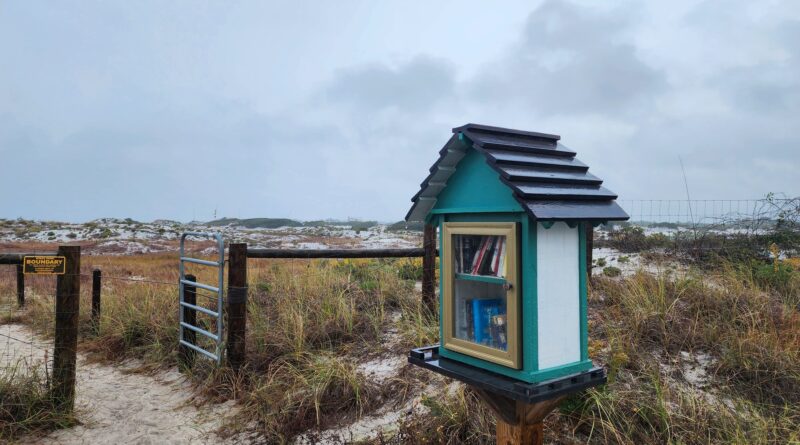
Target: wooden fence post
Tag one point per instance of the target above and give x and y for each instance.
(96, 287)
(68, 290)
(429, 266)
(237, 304)
(185, 353)
(20, 286)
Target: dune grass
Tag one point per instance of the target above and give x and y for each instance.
(736, 321)
(647, 329)
(26, 406)
(310, 323)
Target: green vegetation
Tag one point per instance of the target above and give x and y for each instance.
(601, 262)
(748, 335)
(406, 226)
(454, 417)
(709, 356)
(25, 403)
(738, 324)
(256, 223)
(611, 271)
(356, 225)
(307, 320)
(633, 239)
(274, 223)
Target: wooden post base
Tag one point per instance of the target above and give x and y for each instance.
(520, 434)
(518, 423)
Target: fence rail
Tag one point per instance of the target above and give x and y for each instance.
(16, 258)
(336, 253)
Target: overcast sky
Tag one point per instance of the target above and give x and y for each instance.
(337, 109)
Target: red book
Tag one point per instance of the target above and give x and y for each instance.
(476, 264)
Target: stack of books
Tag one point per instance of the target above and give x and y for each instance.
(483, 321)
(481, 255)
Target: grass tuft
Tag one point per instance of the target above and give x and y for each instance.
(26, 406)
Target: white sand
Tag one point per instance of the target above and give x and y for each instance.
(118, 407)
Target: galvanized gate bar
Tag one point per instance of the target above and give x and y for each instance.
(220, 265)
(200, 331)
(198, 261)
(200, 350)
(199, 308)
(201, 285)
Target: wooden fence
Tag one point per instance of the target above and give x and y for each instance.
(65, 343)
(237, 280)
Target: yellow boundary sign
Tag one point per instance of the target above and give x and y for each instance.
(44, 265)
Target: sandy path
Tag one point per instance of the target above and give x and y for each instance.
(118, 407)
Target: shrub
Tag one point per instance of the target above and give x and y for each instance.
(611, 271)
(410, 269)
(633, 239)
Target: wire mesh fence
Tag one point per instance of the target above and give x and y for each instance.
(24, 354)
(739, 228)
(708, 213)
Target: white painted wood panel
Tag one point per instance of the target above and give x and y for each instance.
(558, 295)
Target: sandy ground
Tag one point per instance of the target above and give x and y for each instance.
(118, 407)
(630, 263)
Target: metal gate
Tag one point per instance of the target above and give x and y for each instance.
(217, 337)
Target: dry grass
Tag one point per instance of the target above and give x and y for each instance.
(311, 322)
(646, 327)
(648, 330)
(25, 404)
(308, 321)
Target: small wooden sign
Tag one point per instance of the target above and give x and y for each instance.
(44, 265)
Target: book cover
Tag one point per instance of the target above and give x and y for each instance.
(482, 313)
(498, 251)
(502, 267)
(476, 263)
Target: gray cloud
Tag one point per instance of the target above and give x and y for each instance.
(168, 118)
(416, 85)
(570, 60)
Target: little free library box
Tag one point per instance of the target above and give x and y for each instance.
(512, 210)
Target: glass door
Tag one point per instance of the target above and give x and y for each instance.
(480, 291)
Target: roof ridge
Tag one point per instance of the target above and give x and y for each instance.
(502, 130)
(549, 183)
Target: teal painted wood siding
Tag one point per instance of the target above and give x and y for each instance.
(475, 193)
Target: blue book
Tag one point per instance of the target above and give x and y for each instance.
(482, 313)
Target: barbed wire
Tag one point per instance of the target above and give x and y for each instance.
(23, 341)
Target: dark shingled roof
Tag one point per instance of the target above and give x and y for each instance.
(543, 174)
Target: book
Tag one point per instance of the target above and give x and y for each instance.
(466, 245)
(476, 262)
(500, 269)
(460, 262)
(469, 322)
(498, 250)
(482, 312)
